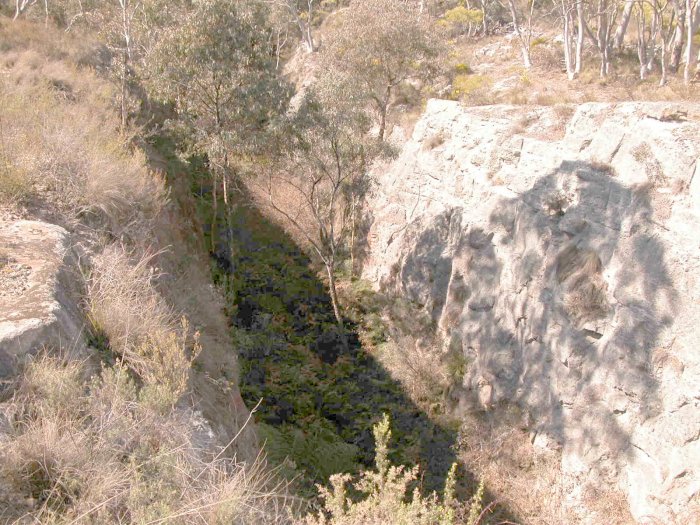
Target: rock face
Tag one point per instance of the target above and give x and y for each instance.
(37, 308)
(558, 249)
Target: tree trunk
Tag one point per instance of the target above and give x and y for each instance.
(353, 227)
(20, 5)
(524, 42)
(619, 37)
(568, 59)
(383, 110)
(642, 42)
(678, 37)
(123, 96)
(215, 210)
(664, 64)
(603, 38)
(579, 37)
(330, 268)
(605, 63)
(690, 19)
(126, 56)
(309, 18)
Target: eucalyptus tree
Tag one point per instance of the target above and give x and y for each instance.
(321, 173)
(604, 17)
(692, 20)
(378, 44)
(217, 67)
(572, 13)
(299, 13)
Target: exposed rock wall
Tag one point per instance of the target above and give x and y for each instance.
(559, 250)
(37, 293)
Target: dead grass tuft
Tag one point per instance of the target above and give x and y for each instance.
(433, 141)
(498, 449)
(416, 365)
(122, 302)
(141, 328)
(580, 273)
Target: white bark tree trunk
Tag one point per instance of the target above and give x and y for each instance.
(524, 38)
(619, 37)
(691, 26)
(579, 36)
(569, 57)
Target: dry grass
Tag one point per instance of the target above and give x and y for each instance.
(433, 141)
(417, 366)
(579, 271)
(500, 452)
(124, 306)
(122, 302)
(49, 42)
(62, 150)
(112, 458)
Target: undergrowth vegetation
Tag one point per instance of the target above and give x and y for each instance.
(319, 399)
(384, 495)
(91, 447)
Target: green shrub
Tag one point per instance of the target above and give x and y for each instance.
(463, 69)
(384, 494)
(461, 16)
(470, 87)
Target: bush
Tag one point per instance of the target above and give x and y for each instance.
(463, 69)
(384, 494)
(473, 89)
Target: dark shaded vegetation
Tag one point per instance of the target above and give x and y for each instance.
(319, 400)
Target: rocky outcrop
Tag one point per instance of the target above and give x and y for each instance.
(557, 248)
(37, 301)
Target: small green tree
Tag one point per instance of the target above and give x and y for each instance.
(377, 45)
(218, 69)
(315, 184)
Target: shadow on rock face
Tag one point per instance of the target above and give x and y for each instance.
(557, 299)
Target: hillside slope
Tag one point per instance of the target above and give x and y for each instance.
(556, 250)
(118, 378)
